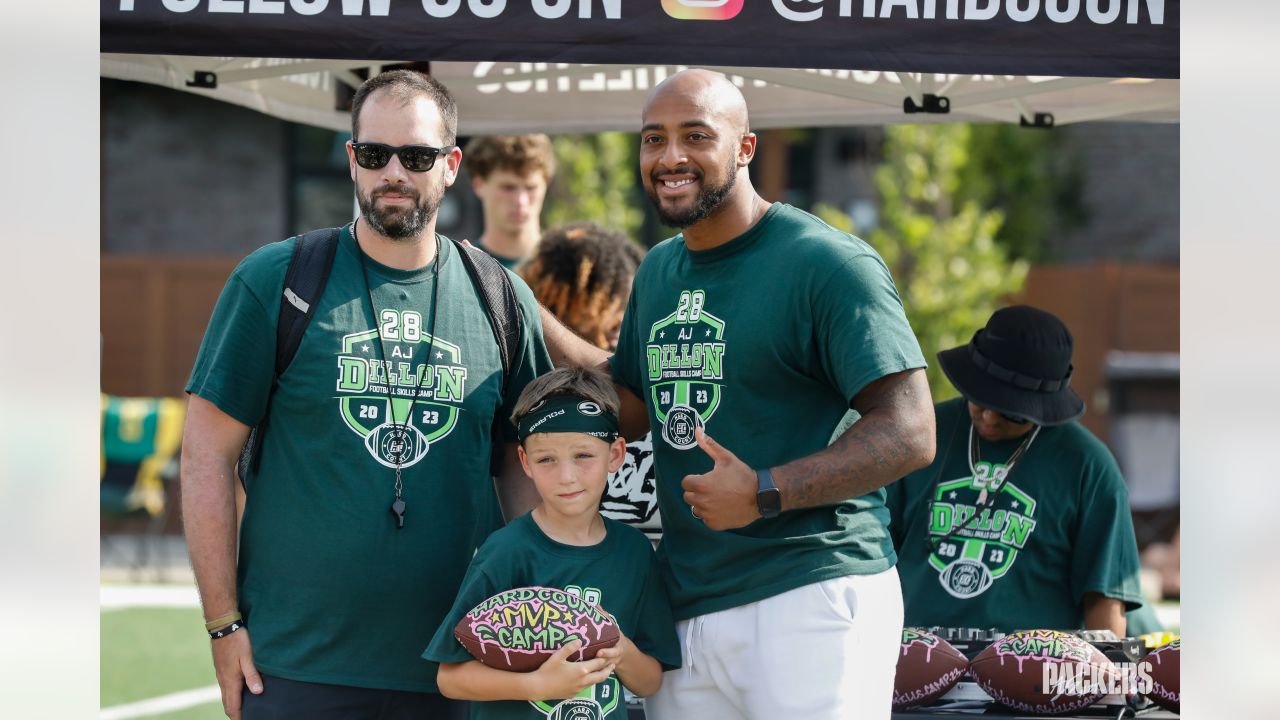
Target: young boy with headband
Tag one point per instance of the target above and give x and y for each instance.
(569, 443)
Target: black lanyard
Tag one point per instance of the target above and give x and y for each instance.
(401, 430)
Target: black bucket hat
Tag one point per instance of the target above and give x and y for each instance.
(1020, 365)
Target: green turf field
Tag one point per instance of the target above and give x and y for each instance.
(148, 652)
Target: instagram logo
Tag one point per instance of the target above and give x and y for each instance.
(702, 9)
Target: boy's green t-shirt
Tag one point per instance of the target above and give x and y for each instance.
(764, 341)
(618, 574)
(331, 590)
(1059, 527)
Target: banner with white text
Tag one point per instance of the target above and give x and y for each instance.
(1081, 38)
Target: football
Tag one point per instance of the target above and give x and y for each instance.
(1046, 672)
(1165, 673)
(519, 629)
(928, 667)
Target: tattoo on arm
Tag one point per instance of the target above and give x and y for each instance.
(893, 437)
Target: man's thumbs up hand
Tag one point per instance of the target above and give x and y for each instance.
(725, 497)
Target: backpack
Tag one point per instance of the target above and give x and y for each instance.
(304, 283)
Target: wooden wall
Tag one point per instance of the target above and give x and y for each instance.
(154, 313)
(1108, 306)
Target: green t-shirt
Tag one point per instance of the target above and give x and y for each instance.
(765, 340)
(506, 262)
(619, 574)
(331, 590)
(1059, 527)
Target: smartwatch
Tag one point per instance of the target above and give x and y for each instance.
(768, 497)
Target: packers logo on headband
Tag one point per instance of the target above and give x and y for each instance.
(569, 413)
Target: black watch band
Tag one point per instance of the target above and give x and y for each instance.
(768, 497)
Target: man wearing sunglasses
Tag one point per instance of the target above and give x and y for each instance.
(1022, 520)
(373, 486)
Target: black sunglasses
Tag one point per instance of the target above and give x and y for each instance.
(1015, 419)
(414, 158)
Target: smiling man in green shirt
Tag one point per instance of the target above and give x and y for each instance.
(746, 341)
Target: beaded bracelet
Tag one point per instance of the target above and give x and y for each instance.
(225, 631)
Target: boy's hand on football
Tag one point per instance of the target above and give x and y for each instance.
(560, 678)
(618, 654)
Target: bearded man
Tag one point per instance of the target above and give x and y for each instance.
(372, 489)
(746, 341)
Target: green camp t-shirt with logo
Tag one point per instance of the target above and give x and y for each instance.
(331, 590)
(619, 574)
(1055, 527)
(764, 340)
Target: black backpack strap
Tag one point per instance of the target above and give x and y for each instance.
(499, 297)
(304, 283)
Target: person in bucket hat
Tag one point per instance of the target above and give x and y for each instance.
(1022, 520)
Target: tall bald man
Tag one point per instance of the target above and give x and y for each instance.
(760, 326)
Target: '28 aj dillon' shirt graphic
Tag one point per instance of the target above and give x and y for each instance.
(375, 395)
(332, 591)
(764, 341)
(1054, 528)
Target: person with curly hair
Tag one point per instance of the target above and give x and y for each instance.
(582, 275)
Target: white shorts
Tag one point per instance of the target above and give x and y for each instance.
(823, 651)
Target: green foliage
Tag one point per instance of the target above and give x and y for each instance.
(595, 181)
(940, 246)
(1032, 176)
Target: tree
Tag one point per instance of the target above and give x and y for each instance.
(596, 181)
(1034, 177)
(941, 249)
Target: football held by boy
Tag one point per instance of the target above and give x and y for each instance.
(569, 443)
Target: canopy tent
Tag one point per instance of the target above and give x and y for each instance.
(517, 97)
(540, 66)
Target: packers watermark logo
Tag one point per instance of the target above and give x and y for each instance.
(1084, 679)
(978, 544)
(685, 357)
(375, 392)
